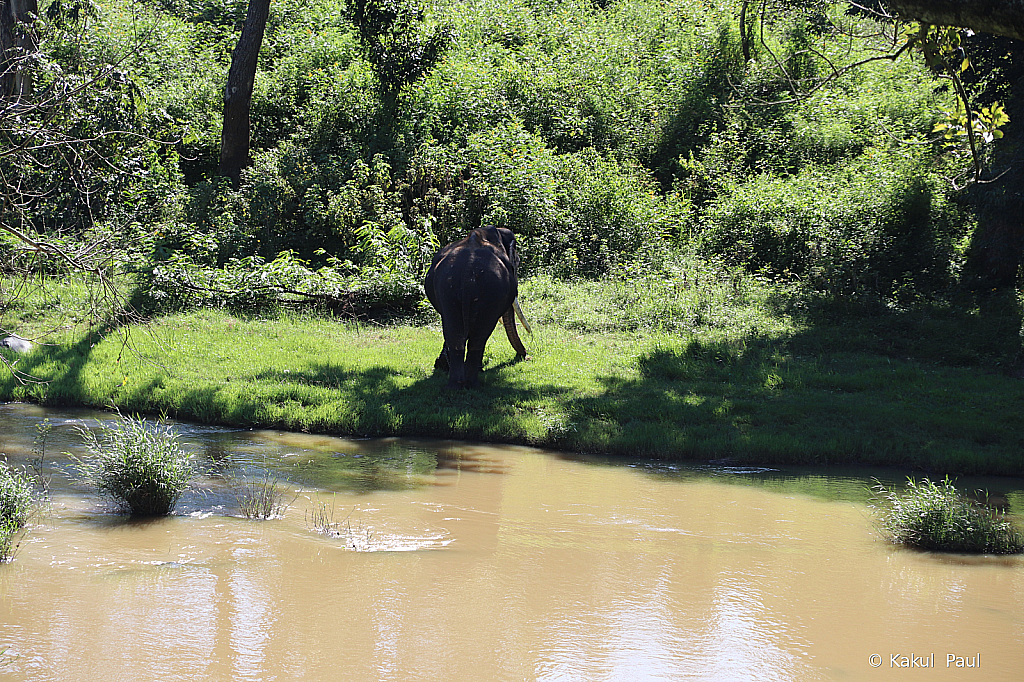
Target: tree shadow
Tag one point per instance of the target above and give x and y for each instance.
(386, 403)
(866, 391)
(968, 329)
(52, 374)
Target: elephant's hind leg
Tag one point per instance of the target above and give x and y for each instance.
(441, 364)
(456, 351)
(474, 362)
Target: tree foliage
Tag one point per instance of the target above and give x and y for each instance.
(396, 42)
(806, 143)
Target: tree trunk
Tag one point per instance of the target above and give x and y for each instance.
(997, 245)
(17, 41)
(744, 34)
(999, 17)
(234, 140)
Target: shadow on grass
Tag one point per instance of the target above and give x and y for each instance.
(339, 399)
(380, 401)
(968, 330)
(921, 388)
(374, 401)
(52, 374)
(874, 393)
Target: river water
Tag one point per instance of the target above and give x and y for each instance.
(451, 561)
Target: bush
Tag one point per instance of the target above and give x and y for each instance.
(16, 501)
(578, 213)
(610, 214)
(252, 285)
(937, 516)
(876, 225)
(141, 467)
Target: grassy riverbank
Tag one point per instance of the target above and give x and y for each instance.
(695, 365)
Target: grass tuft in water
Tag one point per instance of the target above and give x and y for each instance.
(16, 504)
(139, 466)
(261, 497)
(320, 519)
(936, 516)
(38, 462)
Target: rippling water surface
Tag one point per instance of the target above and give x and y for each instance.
(450, 561)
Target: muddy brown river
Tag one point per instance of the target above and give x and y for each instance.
(450, 561)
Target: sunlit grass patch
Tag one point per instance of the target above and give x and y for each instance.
(139, 466)
(937, 516)
(624, 366)
(685, 295)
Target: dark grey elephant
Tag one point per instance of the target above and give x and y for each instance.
(473, 283)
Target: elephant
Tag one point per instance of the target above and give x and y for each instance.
(472, 283)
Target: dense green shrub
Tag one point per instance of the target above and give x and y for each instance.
(16, 502)
(397, 42)
(937, 516)
(698, 109)
(68, 165)
(139, 466)
(611, 213)
(599, 132)
(209, 230)
(865, 227)
(576, 75)
(578, 213)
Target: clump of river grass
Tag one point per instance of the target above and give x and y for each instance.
(937, 516)
(320, 519)
(141, 467)
(16, 504)
(260, 497)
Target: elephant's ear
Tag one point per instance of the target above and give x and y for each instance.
(508, 240)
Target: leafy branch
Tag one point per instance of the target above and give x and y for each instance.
(943, 53)
(941, 47)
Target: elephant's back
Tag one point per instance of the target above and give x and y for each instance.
(468, 271)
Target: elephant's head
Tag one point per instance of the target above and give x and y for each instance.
(508, 243)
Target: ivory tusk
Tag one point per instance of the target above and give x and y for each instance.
(521, 316)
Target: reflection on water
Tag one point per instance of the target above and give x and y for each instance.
(527, 565)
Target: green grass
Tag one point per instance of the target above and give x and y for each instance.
(701, 365)
(936, 516)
